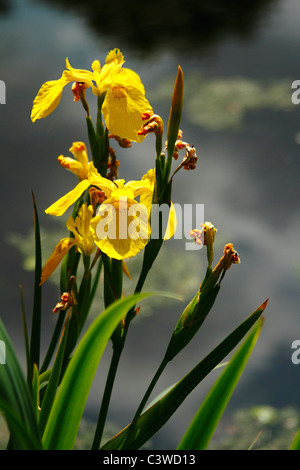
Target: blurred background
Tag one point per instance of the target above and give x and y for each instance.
(239, 62)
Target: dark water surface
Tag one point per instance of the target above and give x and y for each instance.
(238, 113)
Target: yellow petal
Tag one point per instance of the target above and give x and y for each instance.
(72, 165)
(150, 176)
(172, 223)
(116, 56)
(122, 192)
(146, 199)
(50, 92)
(146, 190)
(117, 240)
(79, 75)
(121, 249)
(125, 269)
(96, 67)
(60, 206)
(105, 76)
(79, 151)
(81, 229)
(48, 97)
(58, 254)
(79, 166)
(124, 104)
(106, 185)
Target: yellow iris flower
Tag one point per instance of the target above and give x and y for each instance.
(121, 227)
(123, 211)
(124, 92)
(146, 199)
(83, 240)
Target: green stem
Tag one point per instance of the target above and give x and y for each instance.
(95, 284)
(145, 398)
(117, 276)
(131, 314)
(110, 293)
(98, 139)
(113, 289)
(118, 346)
(106, 397)
(35, 340)
(53, 342)
(99, 123)
(150, 389)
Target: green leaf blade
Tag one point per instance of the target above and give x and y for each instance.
(15, 398)
(202, 427)
(155, 417)
(53, 380)
(63, 421)
(296, 442)
(22, 438)
(37, 299)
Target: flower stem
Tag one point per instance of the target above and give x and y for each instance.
(114, 286)
(53, 342)
(118, 346)
(106, 397)
(145, 398)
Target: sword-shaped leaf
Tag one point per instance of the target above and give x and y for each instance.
(202, 427)
(155, 417)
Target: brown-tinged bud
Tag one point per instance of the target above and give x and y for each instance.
(124, 143)
(67, 300)
(230, 257)
(78, 90)
(96, 197)
(154, 123)
(113, 165)
(190, 158)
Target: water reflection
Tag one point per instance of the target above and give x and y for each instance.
(187, 25)
(5, 7)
